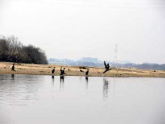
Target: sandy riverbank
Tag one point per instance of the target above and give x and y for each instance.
(36, 69)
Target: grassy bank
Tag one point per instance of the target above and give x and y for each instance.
(36, 69)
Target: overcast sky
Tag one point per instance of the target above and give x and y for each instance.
(89, 28)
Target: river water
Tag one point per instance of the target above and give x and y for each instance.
(38, 99)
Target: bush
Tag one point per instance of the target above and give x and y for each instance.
(11, 50)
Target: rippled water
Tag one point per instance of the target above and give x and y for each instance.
(31, 99)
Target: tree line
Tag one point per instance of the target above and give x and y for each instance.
(11, 50)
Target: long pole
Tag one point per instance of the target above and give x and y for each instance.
(116, 56)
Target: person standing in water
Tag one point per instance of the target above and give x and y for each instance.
(13, 67)
(53, 70)
(62, 71)
(87, 72)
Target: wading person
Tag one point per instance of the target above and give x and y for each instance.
(53, 70)
(107, 67)
(13, 67)
(62, 71)
(87, 72)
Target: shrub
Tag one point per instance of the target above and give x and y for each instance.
(11, 50)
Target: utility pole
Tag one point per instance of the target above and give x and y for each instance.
(116, 56)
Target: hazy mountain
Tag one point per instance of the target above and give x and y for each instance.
(94, 62)
(87, 61)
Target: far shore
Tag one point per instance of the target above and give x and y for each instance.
(40, 69)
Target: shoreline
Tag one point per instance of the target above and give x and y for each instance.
(37, 69)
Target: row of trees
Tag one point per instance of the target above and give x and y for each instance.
(11, 50)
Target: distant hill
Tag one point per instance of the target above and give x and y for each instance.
(94, 62)
(81, 62)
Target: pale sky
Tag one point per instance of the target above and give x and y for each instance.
(89, 28)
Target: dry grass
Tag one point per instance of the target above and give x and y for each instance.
(5, 68)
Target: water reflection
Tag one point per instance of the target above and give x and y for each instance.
(61, 78)
(53, 80)
(12, 76)
(61, 81)
(52, 77)
(16, 89)
(86, 79)
(105, 88)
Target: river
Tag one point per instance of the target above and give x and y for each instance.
(39, 99)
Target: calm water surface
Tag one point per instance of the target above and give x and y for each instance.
(29, 99)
